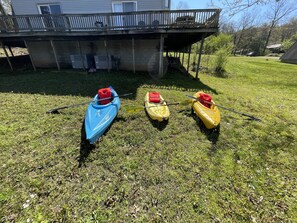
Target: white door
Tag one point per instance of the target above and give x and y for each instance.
(124, 20)
(129, 20)
(117, 20)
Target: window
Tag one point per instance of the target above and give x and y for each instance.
(127, 6)
(124, 20)
(47, 9)
(166, 3)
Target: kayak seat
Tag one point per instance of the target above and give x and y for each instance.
(104, 93)
(154, 97)
(205, 99)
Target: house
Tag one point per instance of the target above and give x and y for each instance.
(86, 6)
(291, 55)
(106, 34)
(275, 48)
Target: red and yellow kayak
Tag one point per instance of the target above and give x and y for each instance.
(156, 106)
(206, 110)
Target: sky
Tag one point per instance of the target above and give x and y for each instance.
(194, 4)
(257, 10)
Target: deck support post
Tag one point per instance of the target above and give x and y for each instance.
(107, 56)
(183, 57)
(7, 57)
(161, 55)
(55, 54)
(199, 57)
(31, 59)
(133, 55)
(81, 55)
(10, 51)
(189, 57)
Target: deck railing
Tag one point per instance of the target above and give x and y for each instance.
(174, 19)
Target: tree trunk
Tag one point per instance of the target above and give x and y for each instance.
(268, 36)
(2, 11)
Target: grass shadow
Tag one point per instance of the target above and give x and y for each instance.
(80, 83)
(211, 134)
(85, 147)
(18, 63)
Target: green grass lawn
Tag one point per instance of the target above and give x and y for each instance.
(141, 172)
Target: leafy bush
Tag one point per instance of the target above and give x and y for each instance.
(220, 60)
(289, 42)
(215, 43)
(221, 46)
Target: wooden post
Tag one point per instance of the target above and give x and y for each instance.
(33, 65)
(199, 57)
(29, 24)
(7, 57)
(189, 57)
(133, 55)
(107, 56)
(10, 51)
(55, 54)
(81, 55)
(183, 56)
(161, 55)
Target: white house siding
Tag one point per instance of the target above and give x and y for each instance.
(23, 7)
(147, 5)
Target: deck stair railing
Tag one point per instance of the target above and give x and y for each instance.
(104, 22)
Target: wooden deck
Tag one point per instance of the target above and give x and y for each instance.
(173, 30)
(174, 21)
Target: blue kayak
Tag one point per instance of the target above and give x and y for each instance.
(99, 117)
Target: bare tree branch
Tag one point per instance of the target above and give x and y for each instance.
(236, 6)
(279, 9)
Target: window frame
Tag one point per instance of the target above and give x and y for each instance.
(121, 2)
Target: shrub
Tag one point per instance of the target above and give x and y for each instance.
(220, 61)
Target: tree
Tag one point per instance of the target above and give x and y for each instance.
(288, 29)
(221, 46)
(245, 22)
(288, 43)
(2, 10)
(5, 7)
(278, 10)
(213, 43)
(237, 6)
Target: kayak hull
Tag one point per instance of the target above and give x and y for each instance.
(156, 111)
(209, 116)
(99, 117)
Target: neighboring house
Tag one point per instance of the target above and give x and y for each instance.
(106, 34)
(275, 48)
(290, 56)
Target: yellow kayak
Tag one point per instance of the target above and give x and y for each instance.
(156, 107)
(206, 111)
